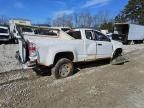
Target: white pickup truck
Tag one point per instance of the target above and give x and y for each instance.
(60, 50)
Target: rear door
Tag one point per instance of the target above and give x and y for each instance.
(90, 45)
(77, 43)
(104, 47)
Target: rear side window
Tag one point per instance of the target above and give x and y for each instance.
(75, 34)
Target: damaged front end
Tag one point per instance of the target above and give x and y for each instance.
(121, 59)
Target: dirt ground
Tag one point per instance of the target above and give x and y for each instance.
(95, 85)
(7, 57)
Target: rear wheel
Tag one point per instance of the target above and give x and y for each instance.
(63, 68)
(117, 57)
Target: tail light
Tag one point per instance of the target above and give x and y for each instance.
(32, 49)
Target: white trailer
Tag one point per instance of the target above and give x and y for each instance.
(128, 33)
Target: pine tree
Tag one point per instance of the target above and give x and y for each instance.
(133, 12)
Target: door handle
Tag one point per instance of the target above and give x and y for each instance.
(99, 44)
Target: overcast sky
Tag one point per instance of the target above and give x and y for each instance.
(40, 10)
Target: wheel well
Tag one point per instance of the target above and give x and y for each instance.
(68, 55)
(117, 52)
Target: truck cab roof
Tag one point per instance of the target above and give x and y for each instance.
(85, 29)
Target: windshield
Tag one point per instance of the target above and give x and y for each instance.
(46, 32)
(3, 30)
(26, 29)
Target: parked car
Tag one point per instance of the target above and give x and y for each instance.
(4, 34)
(60, 50)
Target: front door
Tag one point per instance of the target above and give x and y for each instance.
(104, 46)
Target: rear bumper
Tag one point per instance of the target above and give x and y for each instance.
(29, 64)
(32, 59)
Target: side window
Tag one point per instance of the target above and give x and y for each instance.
(47, 32)
(75, 34)
(89, 35)
(100, 37)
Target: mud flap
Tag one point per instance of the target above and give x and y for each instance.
(120, 60)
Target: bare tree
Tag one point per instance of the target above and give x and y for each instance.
(100, 18)
(48, 21)
(76, 20)
(63, 21)
(59, 21)
(3, 20)
(68, 20)
(82, 19)
(85, 19)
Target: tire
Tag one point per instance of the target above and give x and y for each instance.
(63, 68)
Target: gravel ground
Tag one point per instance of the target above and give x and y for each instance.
(7, 58)
(130, 48)
(93, 86)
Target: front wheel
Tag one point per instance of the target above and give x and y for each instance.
(63, 68)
